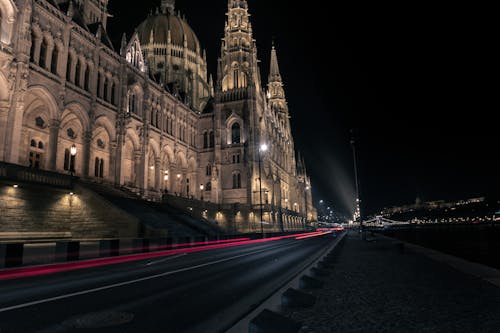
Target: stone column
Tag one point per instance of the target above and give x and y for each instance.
(158, 174)
(114, 163)
(53, 142)
(4, 112)
(38, 44)
(138, 170)
(87, 143)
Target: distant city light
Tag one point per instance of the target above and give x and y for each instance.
(15, 186)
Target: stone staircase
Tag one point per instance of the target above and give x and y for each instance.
(154, 215)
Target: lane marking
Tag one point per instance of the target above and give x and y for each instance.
(166, 259)
(116, 285)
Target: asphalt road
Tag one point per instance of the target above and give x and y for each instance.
(197, 292)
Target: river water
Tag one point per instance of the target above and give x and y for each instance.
(476, 243)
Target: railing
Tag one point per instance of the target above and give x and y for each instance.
(20, 173)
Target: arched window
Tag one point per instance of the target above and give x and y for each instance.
(205, 140)
(99, 84)
(68, 68)
(105, 92)
(78, 72)
(235, 133)
(209, 170)
(33, 47)
(132, 103)
(212, 139)
(66, 159)
(235, 78)
(96, 167)
(35, 154)
(208, 187)
(55, 60)
(43, 53)
(86, 80)
(236, 180)
(101, 169)
(113, 93)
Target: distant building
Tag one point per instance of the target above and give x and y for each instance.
(148, 116)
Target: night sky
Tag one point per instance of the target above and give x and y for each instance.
(411, 79)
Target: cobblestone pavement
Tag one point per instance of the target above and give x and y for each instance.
(376, 287)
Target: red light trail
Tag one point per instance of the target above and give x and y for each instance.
(92, 263)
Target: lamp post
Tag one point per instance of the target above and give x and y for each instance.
(263, 148)
(201, 191)
(305, 196)
(72, 161)
(357, 213)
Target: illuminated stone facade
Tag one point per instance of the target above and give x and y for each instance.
(147, 116)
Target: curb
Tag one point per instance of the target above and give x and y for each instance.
(266, 318)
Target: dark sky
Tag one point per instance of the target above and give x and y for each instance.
(411, 79)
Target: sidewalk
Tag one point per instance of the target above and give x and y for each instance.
(377, 287)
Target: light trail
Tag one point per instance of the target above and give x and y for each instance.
(92, 263)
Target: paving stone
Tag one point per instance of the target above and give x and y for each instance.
(376, 288)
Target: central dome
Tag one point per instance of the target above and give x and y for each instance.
(154, 30)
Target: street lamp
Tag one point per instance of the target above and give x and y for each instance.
(263, 148)
(357, 212)
(201, 191)
(305, 197)
(73, 158)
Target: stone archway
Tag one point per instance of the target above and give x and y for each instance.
(130, 165)
(73, 135)
(166, 169)
(34, 143)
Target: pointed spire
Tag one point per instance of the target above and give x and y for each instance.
(71, 9)
(123, 45)
(274, 72)
(167, 6)
(300, 166)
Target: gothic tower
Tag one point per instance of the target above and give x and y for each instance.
(239, 109)
(238, 67)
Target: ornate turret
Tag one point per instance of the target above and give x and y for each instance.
(167, 6)
(238, 52)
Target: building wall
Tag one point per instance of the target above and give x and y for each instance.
(67, 88)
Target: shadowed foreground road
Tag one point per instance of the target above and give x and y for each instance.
(196, 292)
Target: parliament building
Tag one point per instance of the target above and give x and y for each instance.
(146, 115)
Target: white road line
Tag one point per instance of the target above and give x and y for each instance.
(111, 286)
(166, 259)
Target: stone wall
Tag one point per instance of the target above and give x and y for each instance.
(30, 209)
